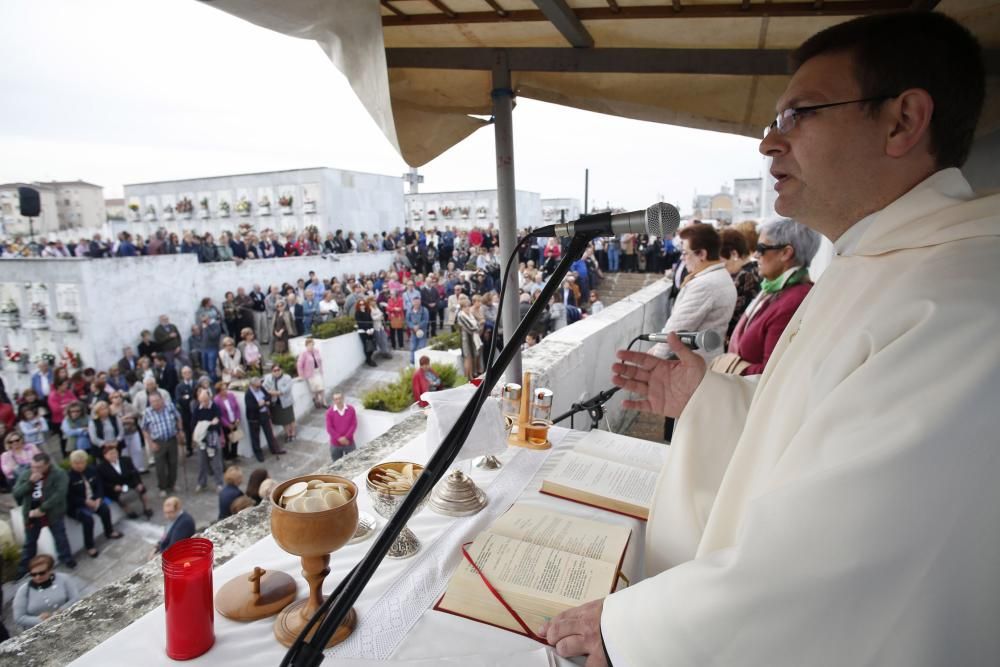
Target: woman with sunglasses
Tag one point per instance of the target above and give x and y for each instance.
(17, 456)
(783, 253)
(45, 593)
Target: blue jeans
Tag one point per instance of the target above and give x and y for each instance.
(337, 451)
(209, 358)
(31, 533)
(613, 254)
(416, 344)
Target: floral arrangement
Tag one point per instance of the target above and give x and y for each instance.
(134, 207)
(70, 359)
(184, 206)
(204, 203)
(446, 211)
(481, 212)
(14, 356)
(150, 210)
(224, 206)
(9, 307)
(242, 206)
(416, 215)
(464, 211)
(264, 201)
(432, 214)
(46, 356)
(285, 200)
(38, 310)
(168, 209)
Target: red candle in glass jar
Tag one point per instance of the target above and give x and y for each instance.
(187, 598)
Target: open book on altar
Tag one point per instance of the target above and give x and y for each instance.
(540, 563)
(609, 471)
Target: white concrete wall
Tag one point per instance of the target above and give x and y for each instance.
(120, 297)
(528, 205)
(575, 362)
(341, 355)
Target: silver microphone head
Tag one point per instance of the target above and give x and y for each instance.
(662, 219)
(709, 340)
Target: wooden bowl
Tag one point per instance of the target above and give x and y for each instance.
(313, 533)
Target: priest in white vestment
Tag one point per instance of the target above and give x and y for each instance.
(843, 508)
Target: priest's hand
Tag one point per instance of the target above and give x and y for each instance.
(665, 385)
(577, 631)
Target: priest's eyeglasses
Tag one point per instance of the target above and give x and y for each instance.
(785, 121)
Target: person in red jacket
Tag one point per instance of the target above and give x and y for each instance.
(341, 423)
(784, 251)
(424, 379)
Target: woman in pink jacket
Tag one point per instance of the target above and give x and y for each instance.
(229, 409)
(310, 367)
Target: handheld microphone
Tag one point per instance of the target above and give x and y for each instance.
(658, 220)
(710, 340)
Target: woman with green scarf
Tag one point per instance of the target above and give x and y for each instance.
(783, 252)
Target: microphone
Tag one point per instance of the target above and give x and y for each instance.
(658, 220)
(709, 340)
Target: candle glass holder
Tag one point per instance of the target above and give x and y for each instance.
(187, 598)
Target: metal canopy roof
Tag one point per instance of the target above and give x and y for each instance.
(423, 67)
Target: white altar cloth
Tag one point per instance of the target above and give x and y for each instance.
(435, 635)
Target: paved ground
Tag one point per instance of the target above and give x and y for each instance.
(118, 557)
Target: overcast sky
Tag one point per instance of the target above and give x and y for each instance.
(127, 91)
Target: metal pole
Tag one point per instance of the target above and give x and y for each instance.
(586, 189)
(503, 131)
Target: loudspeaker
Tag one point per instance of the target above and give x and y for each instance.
(31, 204)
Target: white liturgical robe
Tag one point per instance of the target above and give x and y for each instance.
(845, 508)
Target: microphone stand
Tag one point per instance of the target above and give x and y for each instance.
(310, 651)
(594, 407)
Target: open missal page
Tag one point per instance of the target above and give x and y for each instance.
(609, 471)
(541, 562)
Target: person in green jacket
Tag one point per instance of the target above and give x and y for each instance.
(41, 492)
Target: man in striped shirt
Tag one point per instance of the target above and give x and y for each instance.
(162, 428)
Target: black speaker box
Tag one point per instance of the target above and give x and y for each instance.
(31, 204)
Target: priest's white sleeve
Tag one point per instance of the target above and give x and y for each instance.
(704, 438)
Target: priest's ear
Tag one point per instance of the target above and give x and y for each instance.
(908, 120)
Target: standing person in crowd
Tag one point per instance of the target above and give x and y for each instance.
(341, 424)
(451, 312)
(417, 320)
(149, 388)
(16, 457)
(183, 398)
(208, 438)
(250, 350)
(211, 334)
(231, 314)
(366, 329)
(42, 379)
(279, 386)
(397, 319)
(472, 342)
(284, 328)
(32, 425)
(261, 326)
(162, 429)
(85, 498)
(41, 492)
(60, 398)
(116, 380)
(297, 312)
(181, 524)
(44, 594)
(194, 346)
(784, 251)
(165, 374)
(132, 442)
(230, 360)
(74, 427)
(310, 368)
(229, 412)
(430, 298)
(257, 477)
(168, 339)
(378, 323)
(742, 268)
(233, 477)
(103, 428)
(271, 301)
(258, 406)
(121, 481)
(328, 307)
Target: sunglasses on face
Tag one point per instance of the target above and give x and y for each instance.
(762, 247)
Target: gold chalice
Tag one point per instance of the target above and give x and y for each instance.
(312, 536)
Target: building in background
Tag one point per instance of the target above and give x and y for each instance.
(555, 211)
(717, 207)
(67, 207)
(12, 223)
(469, 208)
(79, 205)
(284, 201)
(747, 194)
